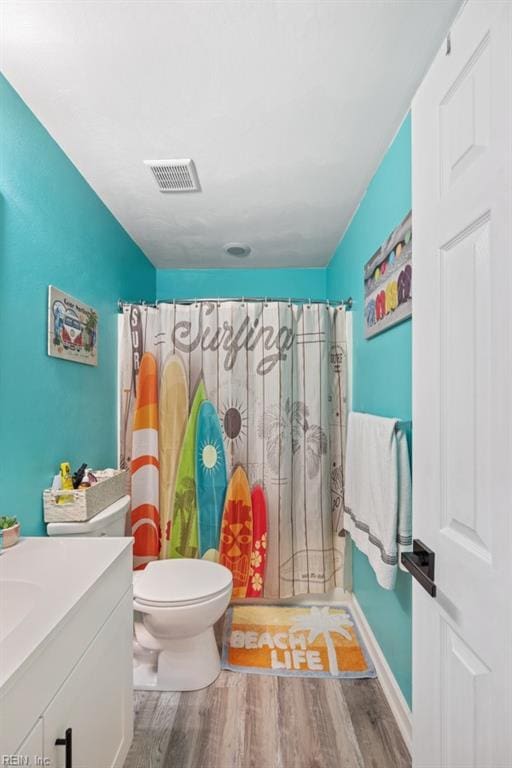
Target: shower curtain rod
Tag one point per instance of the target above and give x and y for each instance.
(343, 303)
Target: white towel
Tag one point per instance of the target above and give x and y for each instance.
(378, 492)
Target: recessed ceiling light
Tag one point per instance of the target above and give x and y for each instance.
(239, 250)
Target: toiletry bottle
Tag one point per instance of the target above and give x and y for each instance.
(86, 480)
(78, 477)
(66, 483)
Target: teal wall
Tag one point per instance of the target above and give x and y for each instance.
(381, 378)
(212, 283)
(54, 229)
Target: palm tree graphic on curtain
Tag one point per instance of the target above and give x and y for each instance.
(278, 423)
(185, 506)
(320, 622)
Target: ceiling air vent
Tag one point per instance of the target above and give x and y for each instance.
(174, 175)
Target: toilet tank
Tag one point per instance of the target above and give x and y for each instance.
(114, 520)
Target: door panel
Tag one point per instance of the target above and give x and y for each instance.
(465, 678)
(96, 699)
(465, 402)
(464, 116)
(462, 402)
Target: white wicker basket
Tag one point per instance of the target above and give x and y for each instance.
(112, 485)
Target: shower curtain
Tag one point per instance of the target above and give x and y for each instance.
(253, 394)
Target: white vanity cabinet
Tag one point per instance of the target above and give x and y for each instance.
(95, 701)
(70, 704)
(31, 748)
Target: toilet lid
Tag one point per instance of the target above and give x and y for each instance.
(166, 582)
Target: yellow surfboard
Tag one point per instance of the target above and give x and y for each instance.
(173, 412)
(235, 544)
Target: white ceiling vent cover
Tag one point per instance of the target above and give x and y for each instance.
(174, 175)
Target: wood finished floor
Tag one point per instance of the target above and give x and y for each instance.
(253, 721)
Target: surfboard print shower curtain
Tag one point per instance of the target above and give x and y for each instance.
(233, 419)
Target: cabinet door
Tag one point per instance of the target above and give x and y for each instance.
(31, 751)
(96, 700)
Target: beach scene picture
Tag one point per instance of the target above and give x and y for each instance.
(72, 328)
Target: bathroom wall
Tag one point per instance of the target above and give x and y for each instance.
(211, 283)
(54, 229)
(381, 377)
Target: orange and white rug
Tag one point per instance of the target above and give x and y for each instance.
(300, 641)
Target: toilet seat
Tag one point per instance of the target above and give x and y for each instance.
(176, 583)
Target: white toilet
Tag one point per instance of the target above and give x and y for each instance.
(176, 604)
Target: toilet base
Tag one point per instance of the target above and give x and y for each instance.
(184, 664)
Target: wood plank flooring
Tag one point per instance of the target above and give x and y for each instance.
(253, 721)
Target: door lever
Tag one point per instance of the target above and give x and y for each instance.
(421, 564)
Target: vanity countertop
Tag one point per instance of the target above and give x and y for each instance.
(42, 581)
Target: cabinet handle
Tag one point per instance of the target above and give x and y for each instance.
(68, 743)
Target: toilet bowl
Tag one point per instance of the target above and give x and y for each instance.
(176, 604)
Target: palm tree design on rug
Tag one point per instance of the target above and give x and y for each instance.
(279, 423)
(320, 622)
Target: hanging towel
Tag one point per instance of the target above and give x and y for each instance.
(378, 492)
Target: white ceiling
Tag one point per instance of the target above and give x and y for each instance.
(285, 107)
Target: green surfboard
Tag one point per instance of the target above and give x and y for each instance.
(184, 533)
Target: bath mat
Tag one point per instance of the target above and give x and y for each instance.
(294, 641)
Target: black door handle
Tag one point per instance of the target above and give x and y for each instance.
(68, 743)
(421, 564)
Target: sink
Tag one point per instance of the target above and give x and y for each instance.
(17, 599)
(42, 582)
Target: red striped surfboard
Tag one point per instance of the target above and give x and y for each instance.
(256, 581)
(144, 467)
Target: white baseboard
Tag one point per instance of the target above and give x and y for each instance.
(392, 692)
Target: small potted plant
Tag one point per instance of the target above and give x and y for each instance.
(9, 531)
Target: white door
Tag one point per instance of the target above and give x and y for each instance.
(462, 362)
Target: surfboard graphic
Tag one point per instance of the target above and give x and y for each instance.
(259, 543)
(144, 466)
(173, 412)
(211, 478)
(184, 537)
(236, 531)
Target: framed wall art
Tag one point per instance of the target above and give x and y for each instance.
(388, 281)
(72, 328)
